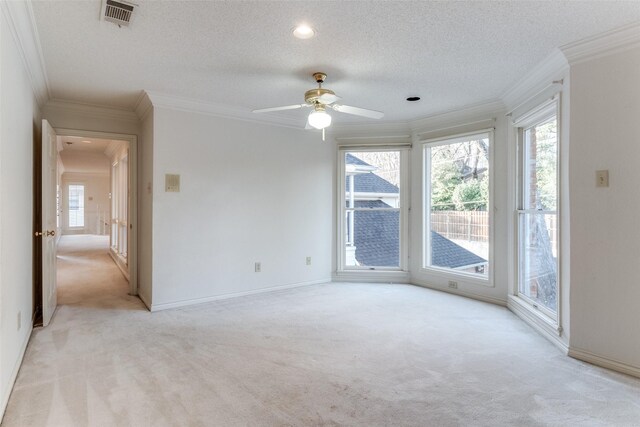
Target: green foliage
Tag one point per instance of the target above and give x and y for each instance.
(445, 180)
(456, 182)
(471, 195)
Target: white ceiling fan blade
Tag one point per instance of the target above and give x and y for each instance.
(308, 126)
(328, 98)
(287, 107)
(358, 111)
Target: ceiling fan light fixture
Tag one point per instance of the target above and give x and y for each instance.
(303, 32)
(319, 119)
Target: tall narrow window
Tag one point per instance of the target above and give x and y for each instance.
(537, 213)
(76, 205)
(457, 232)
(372, 210)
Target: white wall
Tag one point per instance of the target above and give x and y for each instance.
(249, 192)
(97, 205)
(605, 235)
(19, 125)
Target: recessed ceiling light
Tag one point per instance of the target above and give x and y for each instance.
(303, 32)
(413, 98)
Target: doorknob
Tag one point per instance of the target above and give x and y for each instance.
(50, 233)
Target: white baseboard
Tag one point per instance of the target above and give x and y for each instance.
(14, 374)
(605, 362)
(365, 276)
(118, 261)
(183, 303)
(545, 327)
(144, 300)
(483, 298)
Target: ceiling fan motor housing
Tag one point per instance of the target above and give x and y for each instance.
(311, 96)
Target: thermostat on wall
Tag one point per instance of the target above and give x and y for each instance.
(172, 183)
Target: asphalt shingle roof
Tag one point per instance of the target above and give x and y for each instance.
(368, 182)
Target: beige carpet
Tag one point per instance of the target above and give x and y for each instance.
(327, 355)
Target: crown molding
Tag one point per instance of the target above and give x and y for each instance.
(550, 69)
(143, 105)
(90, 110)
(603, 44)
(22, 25)
(208, 108)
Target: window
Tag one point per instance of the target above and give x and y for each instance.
(457, 199)
(372, 210)
(119, 207)
(76, 205)
(537, 262)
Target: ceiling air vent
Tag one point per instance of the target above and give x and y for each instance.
(118, 12)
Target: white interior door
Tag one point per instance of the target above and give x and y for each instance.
(49, 178)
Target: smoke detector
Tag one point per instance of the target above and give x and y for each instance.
(119, 12)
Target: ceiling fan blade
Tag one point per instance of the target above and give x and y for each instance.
(308, 126)
(356, 111)
(287, 107)
(328, 98)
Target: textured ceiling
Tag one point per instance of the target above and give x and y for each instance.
(241, 54)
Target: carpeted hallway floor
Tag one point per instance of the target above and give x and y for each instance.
(327, 355)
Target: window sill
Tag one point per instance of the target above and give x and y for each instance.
(462, 277)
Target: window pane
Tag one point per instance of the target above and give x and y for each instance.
(540, 177)
(458, 178)
(376, 238)
(372, 214)
(76, 205)
(538, 258)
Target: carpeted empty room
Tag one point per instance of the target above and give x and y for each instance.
(323, 355)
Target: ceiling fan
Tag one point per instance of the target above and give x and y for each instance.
(320, 100)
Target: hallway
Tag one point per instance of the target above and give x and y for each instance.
(88, 277)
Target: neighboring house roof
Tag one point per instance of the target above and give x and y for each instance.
(445, 253)
(368, 182)
(376, 235)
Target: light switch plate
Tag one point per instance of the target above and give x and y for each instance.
(172, 183)
(602, 178)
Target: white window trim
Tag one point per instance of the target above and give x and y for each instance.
(550, 321)
(342, 269)
(474, 279)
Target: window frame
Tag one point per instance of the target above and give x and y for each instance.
(404, 209)
(539, 114)
(426, 209)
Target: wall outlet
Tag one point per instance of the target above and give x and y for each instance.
(308, 260)
(19, 320)
(453, 285)
(602, 178)
(258, 267)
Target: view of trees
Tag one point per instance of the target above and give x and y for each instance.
(459, 178)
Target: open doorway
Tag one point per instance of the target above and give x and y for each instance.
(96, 194)
(95, 216)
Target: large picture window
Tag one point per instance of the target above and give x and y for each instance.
(457, 199)
(372, 210)
(537, 262)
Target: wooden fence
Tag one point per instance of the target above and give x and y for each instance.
(464, 225)
(474, 225)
